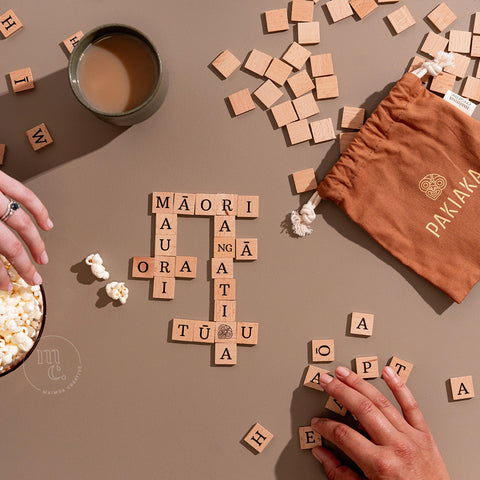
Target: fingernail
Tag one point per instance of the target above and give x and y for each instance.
(44, 258)
(389, 372)
(342, 372)
(314, 421)
(316, 453)
(325, 379)
(37, 279)
(49, 223)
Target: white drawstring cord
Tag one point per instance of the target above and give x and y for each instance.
(435, 66)
(302, 220)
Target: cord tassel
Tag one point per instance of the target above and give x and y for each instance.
(302, 220)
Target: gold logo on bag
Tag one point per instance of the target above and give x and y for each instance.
(432, 185)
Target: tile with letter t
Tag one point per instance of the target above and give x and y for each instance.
(164, 288)
(223, 226)
(203, 332)
(9, 23)
(185, 267)
(22, 80)
(323, 350)
(309, 438)
(182, 330)
(335, 406)
(71, 42)
(225, 353)
(166, 224)
(225, 310)
(205, 204)
(402, 367)
(462, 387)
(246, 249)
(184, 204)
(366, 367)
(165, 245)
(258, 438)
(221, 268)
(312, 377)
(143, 267)
(162, 202)
(247, 333)
(224, 289)
(39, 137)
(224, 247)
(362, 324)
(248, 206)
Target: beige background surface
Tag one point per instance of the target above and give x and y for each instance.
(143, 406)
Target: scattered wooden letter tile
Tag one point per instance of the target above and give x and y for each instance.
(477, 73)
(185, 267)
(166, 223)
(442, 83)
(312, 377)
(339, 9)
(353, 117)
(367, 367)
(302, 11)
(362, 324)
(433, 44)
(222, 267)
(335, 406)
(416, 63)
(305, 106)
(165, 245)
(462, 62)
(184, 204)
(402, 367)
(296, 55)
(300, 83)
(258, 62)
(276, 20)
(387, 1)
(241, 102)
(284, 113)
(471, 89)
(278, 71)
(39, 137)
(225, 310)
(309, 438)
(164, 287)
(401, 19)
(9, 23)
(143, 267)
(71, 42)
(248, 206)
(459, 41)
(22, 80)
(224, 288)
(226, 332)
(224, 247)
(441, 17)
(2, 153)
(346, 139)
(164, 266)
(363, 7)
(475, 50)
(205, 204)
(258, 438)
(224, 226)
(182, 330)
(225, 353)
(227, 204)
(162, 202)
(304, 180)
(247, 333)
(246, 248)
(322, 130)
(203, 332)
(321, 65)
(308, 33)
(462, 387)
(299, 131)
(323, 350)
(226, 63)
(476, 24)
(268, 93)
(326, 87)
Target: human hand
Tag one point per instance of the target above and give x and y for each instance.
(400, 447)
(21, 223)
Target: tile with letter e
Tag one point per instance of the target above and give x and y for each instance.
(402, 367)
(258, 438)
(401, 19)
(304, 180)
(308, 33)
(224, 247)
(241, 102)
(305, 106)
(326, 87)
(441, 16)
(225, 311)
(362, 324)
(339, 9)
(442, 83)
(223, 226)
(164, 266)
(227, 204)
(462, 387)
(225, 332)
(363, 7)
(2, 153)
(459, 41)
(302, 11)
(166, 224)
(22, 80)
(246, 249)
(433, 44)
(335, 406)
(164, 288)
(165, 245)
(39, 137)
(367, 367)
(248, 206)
(471, 89)
(205, 204)
(184, 204)
(284, 113)
(203, 332)
(309, 438)
(312, 377)
(267, 93)
(71, 42)
(9, 23)
(185, 267)
(321, 65)
(258, 62)
(278, 71)
(299, 131)
(224, 288)
(225, 353)
(353, 118)
(222, 268)
(143, 267)
(162, 202)
(323, 350)
(247, 333)
(276, 20)
(296, 55)
(182, 330)
(226, 63)
(322, 130)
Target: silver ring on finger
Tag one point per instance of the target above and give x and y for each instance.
(11, 208)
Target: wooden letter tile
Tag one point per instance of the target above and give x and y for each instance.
(441, 17)
(225, 310)
(278, 71)
(304, 180)
(299, 132)
(166, 224)
(9, 23)
(22, 80)
(226, 332)
(224, 226)
(143, 267)
(335, 406)
(323, 350)
(346, 139)
(402, 367)
(247, 333)
(300, 83)
(224, 289)
(339, 9)
(459, 41)
(475, 51)
(308, 33)
(326, 87)
(284, 113)
(222, 267)
(165, 245)
(248, 206)
(258, 62)
(476, 24)
(433, 44)
(353, 117)
(276, 20)
(367, 367)
(471, 89)
(416, 63)
(241, 102)
(363, 7)
(226, 63)
(362, 324)
(246, 248)
(205, 204)
(164, 266)
(185, 267)
(224, 247)
(258, 438)
(184, 204)
(442, 83)
(225, 353)
(302, 11)
(401, 19)
(164, 287)
(227, 204)
(268, 93)
(204, 332)
(39, 137)
(162, 202)
(321, 65)
(462, 387)
(71, 42)
(2, 153)
(462, 62)
(296, 55)
(312, 377)
(322, 130)
(309, 438)
(182, 330)
(306, 106)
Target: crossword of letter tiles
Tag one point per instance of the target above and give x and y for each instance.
(258, 438)
(9, 23)
(401, 19)
(296, 55)
(441, 17)
(267, 93)
(226, 63)
(309, 438)
(258, 62)
(71, 42)
(462, 387)
(39, 137)
(22, 80)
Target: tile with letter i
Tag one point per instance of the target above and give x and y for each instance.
(143, 267)
(164, 288)
(362, 324)
(71, 42)
(258, 438)
(248, 206)
(225, 353)
(9, 23)
(224, 226)
(225, 310)
(39, 137)
(312, 378)
(462, 387)
(166, 224)
(22, 80)
(309, 438)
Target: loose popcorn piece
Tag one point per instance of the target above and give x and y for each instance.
(117, 291)
(95, 262)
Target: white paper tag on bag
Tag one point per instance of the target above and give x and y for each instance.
(466, 106)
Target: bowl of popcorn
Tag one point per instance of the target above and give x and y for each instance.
(22, 317)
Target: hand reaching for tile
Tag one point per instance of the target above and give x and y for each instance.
(399, 447)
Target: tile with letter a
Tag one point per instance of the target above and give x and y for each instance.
(9, 23)
(246, 249)
(362, 324)
(184, 204)
(258, 438)
(225, 310)
(221, 268)
(226, 63)
(164, 288)
(462, 387)
(247, 333)
(205, 204)
(185, 267)
(248, 206)
(182, 330)
(39, 137)
(166, 224)
(22, 80)
(312, 377)
(162, 202)
(143, 267)
(402, 367)
(71, 42)
(309, 438)
(225, 353)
